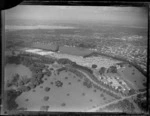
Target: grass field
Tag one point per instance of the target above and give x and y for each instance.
(132, 75)
(63, 92)
(11, 69)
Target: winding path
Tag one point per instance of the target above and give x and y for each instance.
(96, 82)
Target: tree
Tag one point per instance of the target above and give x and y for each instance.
(14, 79)
(48, 73)
(131, 91)
(25, 79)
(11, 95)
(64, 61)
(102, 70)
(112, 69)
(94, 66)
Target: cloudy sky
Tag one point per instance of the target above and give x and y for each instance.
(125, 15)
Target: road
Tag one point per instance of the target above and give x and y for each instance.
(97, 83)
(97, 108)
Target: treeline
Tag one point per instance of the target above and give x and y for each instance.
(66, 61)
(125, 106)
(10, 96)
(86, 45)
(12, 60)
(30, 58)
(142, 102)
(82, 67)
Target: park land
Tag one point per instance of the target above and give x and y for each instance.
(70, 82)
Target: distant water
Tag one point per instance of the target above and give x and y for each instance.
(16, 27)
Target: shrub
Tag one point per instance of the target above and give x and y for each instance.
(94, 66)
(47, 89)
(46, 98)
(102, 70)
(82, 68)
(61, 69)
(58, 83)
(112, 69)
(13, 60)
(15, 79)
(44, 108)
(87, 83)
(25, 79)
(64, 61)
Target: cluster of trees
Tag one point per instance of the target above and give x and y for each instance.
(76, 72)
(131, 92)
(24, 89)
(10, 96)
(91, 54)
(12, 60)
(86, 45)
(13, 81)
(102, 70)
(107, 92)
(32, 83)
(112, 69)
(59, 83)
(125, 106)
(18, 81)
(94, 66)
(61, 69)
(21, 81)
(65, 61)
(87, 83)
(38, 58)
(121, 64)
(83, 68)
(13, 44)
(48, 72)
(142, 102)
(47, 60)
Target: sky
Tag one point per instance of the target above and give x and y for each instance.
(125, 15)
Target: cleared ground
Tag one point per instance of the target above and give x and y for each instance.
(74, 51)
(100, 61)
(45, 46)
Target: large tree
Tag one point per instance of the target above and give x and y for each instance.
(112, 69)
(94, 66)
(102, 70)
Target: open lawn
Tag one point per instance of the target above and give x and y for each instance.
(11, 69)
(63, 92)
(131, 74)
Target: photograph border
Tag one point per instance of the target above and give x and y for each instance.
(76, 3)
